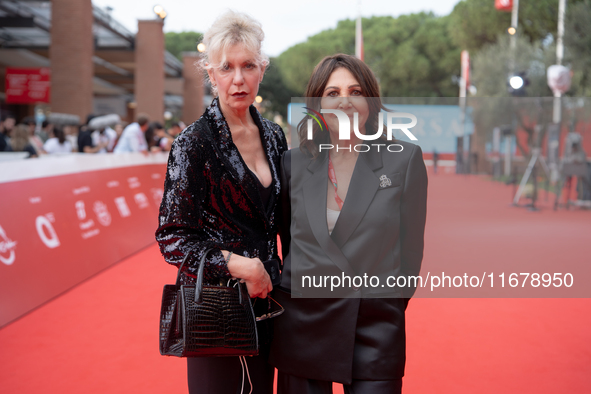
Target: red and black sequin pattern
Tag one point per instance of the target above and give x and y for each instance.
(211, 199)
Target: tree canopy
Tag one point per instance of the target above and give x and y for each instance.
(177, 43)
(418, 55)
(411, 55)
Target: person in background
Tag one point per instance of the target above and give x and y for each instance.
(29, 121)
(58, 143)
(160, 139)
(435, 160)
(20, 141)
(154, 136)
(118, 128)
(71, 133)
(45, 131)
(133, 139)
(102, 136)
(176, 129)
(171, 134)
(34, 138)
(90, 141)
(107, 134)
(85, 144)
(6, 126)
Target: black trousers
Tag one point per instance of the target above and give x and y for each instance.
(223, 375)
(289, 384)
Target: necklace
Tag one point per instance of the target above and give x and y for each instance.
(333, 179)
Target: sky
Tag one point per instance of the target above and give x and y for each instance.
(285, 23)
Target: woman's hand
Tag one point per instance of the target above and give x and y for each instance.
(252, 272)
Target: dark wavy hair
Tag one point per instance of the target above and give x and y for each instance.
(317, 84)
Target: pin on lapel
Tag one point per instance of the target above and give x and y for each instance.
(385, 181)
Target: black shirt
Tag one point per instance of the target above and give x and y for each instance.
(84, 139)
(265, 192)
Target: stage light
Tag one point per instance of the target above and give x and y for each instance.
(516, 82)
(159, 10)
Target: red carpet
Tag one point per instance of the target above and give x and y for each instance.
(101, 337)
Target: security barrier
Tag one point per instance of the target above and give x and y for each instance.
(64, 219)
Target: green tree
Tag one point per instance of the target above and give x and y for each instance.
(476, 23)
(412, 55)
(491, 67)
(274, 91)
(577, 39)
(177, 43)
(297, 63)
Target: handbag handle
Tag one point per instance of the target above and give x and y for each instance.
(199, 281)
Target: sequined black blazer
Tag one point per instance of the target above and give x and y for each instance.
(211, 199)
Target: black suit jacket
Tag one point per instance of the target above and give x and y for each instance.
(211, 199)
(358, 333)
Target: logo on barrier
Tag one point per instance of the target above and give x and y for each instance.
(102, 213)
(81, 190)
(122, 207)
(157, 195)
(86, 225)
(80, 210)
(133, 182)
(7, 247)
(46, 231)
(141, 200)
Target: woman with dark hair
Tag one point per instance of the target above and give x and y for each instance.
(58, 143)
(354, 210)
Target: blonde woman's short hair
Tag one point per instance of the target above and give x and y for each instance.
(232, 28)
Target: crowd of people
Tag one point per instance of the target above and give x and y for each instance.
(99, 135)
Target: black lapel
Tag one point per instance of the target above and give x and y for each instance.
(232, 160)
(271, 149)
(362, 189)
(315, 193)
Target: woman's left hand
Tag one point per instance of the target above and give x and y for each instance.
(253, 273)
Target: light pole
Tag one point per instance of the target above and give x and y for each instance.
(559, 82)
(513, 31)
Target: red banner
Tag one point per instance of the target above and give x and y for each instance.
(27, 85)
(504, 5)
(58, 231)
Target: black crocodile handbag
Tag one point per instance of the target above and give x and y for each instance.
(205, 321)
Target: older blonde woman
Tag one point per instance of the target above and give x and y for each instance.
(221, 191)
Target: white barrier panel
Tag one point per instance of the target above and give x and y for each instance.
(63, 219)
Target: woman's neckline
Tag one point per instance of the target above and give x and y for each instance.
(258, 180)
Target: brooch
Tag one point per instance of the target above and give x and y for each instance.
(385, 181)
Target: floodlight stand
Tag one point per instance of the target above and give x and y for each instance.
(534, 159)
